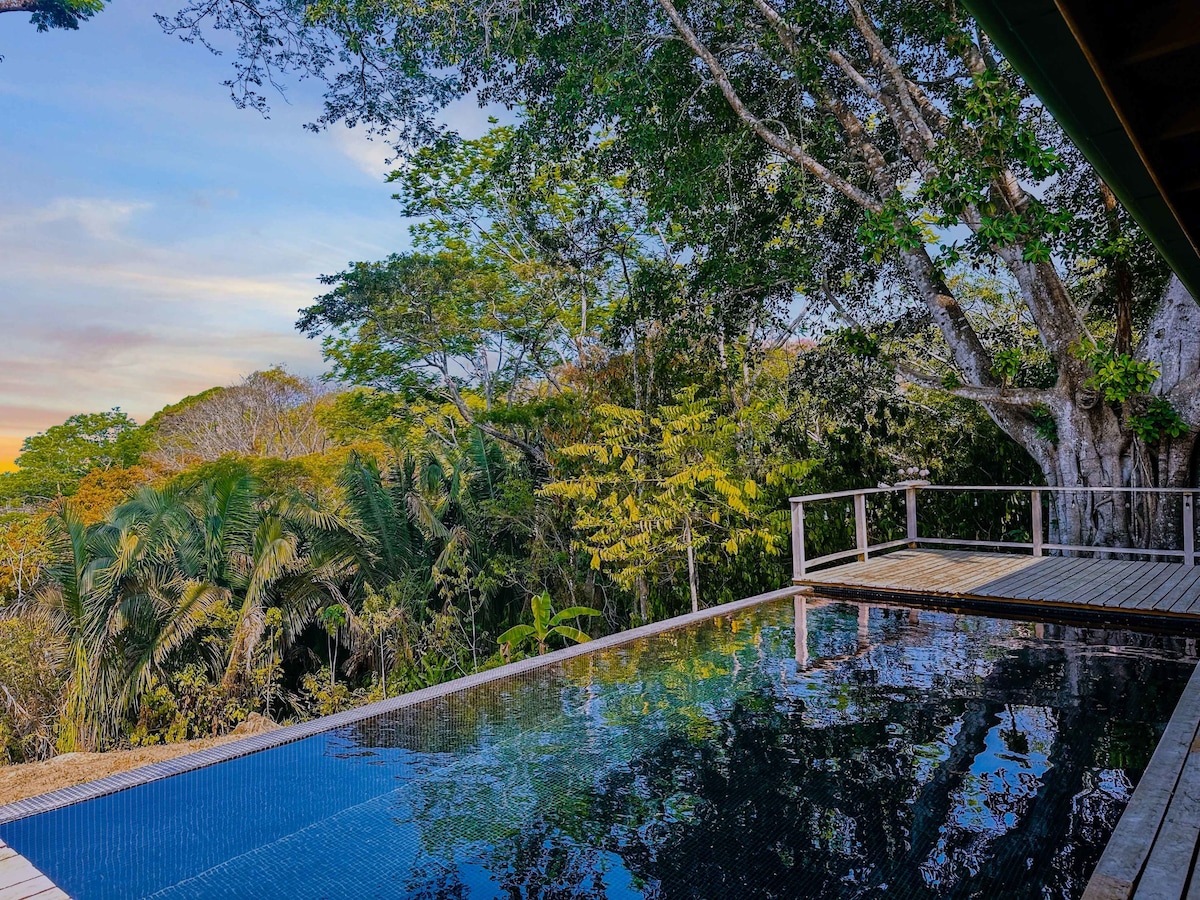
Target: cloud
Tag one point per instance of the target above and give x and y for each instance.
(98, 217)
(101, 312)
(156, 240)
(373, 157)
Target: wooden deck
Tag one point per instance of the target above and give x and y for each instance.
(1051, 582)
(19, 880)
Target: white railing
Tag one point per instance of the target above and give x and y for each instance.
(864, 549)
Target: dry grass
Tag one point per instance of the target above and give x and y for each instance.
(70, 769)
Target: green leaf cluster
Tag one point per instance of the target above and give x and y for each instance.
(1158, 422)
(1118, 376)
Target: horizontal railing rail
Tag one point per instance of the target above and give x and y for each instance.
(863, 548)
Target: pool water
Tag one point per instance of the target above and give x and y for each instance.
(808, 749)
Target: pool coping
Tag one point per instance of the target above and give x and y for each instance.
(111, 784)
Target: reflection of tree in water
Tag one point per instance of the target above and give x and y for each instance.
(549, 866)
(541, 862)
(948, 757)
(781, 809)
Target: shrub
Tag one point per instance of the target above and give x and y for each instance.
(32, 673)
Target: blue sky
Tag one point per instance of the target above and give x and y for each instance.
(157, 240)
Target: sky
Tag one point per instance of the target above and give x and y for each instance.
(154, 239)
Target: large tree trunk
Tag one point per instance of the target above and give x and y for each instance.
(1096, 446)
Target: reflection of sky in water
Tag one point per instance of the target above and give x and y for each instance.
(903, 755)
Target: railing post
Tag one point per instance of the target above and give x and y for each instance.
(1036, 495)
(1189, 531)
(797, 541)
(860, 524)
(910, 509)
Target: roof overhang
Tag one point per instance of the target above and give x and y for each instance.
(1122, 78)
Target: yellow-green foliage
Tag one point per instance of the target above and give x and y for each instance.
(192, 705)
(102, 490)
(647, 486)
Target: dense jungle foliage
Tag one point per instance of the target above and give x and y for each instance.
(626, 329)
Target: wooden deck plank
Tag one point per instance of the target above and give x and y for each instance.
(1059, 586)
(1130, 580)
(1095, 577)
(981, 580)
(1148, 587)
(1119, 582)
(939, 577)
(1157, 573)
(897, 570)
(899, 559)
(882, 571)
(972, 571)
(1165, 596)
(1184, 599)
(1186, 591)
(1046, 567)
(21, 880)
(35, 887)
(1174, 578)
(1121, 585)
(1170, 863)
(1194, 608)
(921, 569)
(1036, 582)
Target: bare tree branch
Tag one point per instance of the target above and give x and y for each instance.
(773, 139)
(1020, 397)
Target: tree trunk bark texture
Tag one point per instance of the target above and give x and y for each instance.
(1095, 446)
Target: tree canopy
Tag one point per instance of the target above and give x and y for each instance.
(865, 161)
(48, 14)
(52, 463)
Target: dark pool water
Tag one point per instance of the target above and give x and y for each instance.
(887, 753)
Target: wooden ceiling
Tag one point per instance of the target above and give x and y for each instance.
(1147, 56)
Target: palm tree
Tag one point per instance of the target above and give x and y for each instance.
(124, 609)
(131, 593)
(220, 557)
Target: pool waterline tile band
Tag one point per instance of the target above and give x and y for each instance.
(291, 733)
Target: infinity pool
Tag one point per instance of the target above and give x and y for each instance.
(870, 752)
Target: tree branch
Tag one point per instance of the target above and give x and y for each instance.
(971, 357)
(776, 141)
(883, 57)
(1021, 397)
(860, 80)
